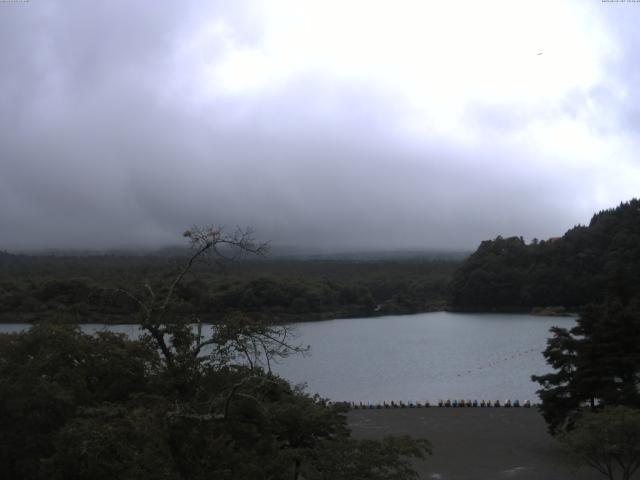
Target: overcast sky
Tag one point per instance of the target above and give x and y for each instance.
(328, 124)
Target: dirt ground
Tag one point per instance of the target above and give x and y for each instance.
(475, 443)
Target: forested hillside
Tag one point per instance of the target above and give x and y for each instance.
(585, 265)
(85, 288)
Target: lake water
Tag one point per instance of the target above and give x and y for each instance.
(427, 356)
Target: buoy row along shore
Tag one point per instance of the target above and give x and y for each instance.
(440, 404)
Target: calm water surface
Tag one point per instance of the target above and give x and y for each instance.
(415, 357)
(424, 357)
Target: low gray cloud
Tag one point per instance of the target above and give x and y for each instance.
(106, 142)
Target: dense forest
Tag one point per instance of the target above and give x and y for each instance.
(587, 264)
(87, 288)
(176, 403)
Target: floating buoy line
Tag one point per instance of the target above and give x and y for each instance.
(441, 404)
(504, 358)
(462, 403)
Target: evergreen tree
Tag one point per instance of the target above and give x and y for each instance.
(596, 363)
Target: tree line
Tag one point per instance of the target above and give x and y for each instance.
(586, 265)
(81, 289)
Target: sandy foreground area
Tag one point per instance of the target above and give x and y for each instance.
(475, 443)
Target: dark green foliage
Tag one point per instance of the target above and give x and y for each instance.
(389, 459)
(584, 266)
(49, 373)
(82, 289)
(607, 441)
(111, 441)
(596, 363)
(76, 407)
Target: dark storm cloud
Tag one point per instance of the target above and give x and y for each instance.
(103, 144)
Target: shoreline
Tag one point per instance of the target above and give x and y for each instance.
(106, 319)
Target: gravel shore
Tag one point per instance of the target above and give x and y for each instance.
(475, 443)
